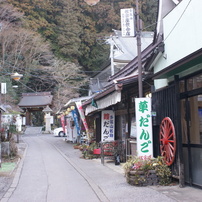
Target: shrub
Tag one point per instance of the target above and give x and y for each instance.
(144, 164)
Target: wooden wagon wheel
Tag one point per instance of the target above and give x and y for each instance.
(167, 140)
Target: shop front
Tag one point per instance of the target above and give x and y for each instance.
(121, 102)
(191, 124)
(181, 101)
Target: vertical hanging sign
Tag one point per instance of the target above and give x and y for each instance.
(81, 113)
(144, 127)
(62, 119)
(76, 121)
(3, 88)
(128, 22)
(107, 125)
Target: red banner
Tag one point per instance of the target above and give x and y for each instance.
(62, 119)
(81, 113)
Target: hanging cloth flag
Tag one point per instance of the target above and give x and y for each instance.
(76, 121)
(93, 103)
(62, 119)
(81, 113)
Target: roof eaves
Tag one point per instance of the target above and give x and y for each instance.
(184, 61)
(73, 100)
(99, 95)
(130, 67)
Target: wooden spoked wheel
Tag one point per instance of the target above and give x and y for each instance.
(167, 140)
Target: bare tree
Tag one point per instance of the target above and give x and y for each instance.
(69, 78)
(8, 13)
(22, 49)
(26, 52)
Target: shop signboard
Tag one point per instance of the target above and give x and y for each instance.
(3, 88)
(107, 125)
(144, 127)
(128, 22)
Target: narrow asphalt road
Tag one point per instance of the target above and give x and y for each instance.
(48, 176)
(52, 171)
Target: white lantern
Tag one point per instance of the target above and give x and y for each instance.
(92, 2)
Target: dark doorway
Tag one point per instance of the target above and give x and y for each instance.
(37, 118)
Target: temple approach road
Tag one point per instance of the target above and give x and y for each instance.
(51, 171)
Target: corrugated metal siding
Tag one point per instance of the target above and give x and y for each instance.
(164, 103)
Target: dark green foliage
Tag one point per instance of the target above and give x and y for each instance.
(40, 81)
(73, 27)
(38, 118)
(52, 42)
(11, 95)
(148, 14)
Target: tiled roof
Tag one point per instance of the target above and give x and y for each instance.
(35, 99)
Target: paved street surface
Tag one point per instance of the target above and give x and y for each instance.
(52, 171)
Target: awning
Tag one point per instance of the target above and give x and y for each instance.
(105, 102)
(73, 100)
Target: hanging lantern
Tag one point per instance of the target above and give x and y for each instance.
(92, 2)
(16, 76)
(72, 107)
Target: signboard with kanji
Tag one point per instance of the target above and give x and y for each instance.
(107, 125)
(144, 127)
(128, 22)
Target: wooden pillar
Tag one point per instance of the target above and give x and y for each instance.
(28, 118)
(0, 119)
(179, 135)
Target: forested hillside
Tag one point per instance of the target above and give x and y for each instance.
(59, 43)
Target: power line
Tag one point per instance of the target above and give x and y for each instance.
(177, 21)
(27, 86)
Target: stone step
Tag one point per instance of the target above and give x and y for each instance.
(33, 130)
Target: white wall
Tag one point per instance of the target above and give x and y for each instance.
(182, 33)
(7, 119)
(18, 123)
(71, 133)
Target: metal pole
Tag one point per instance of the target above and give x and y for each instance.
(138, 36)
(112, 55)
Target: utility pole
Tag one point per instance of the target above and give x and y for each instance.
(112, 54)
(139, 54)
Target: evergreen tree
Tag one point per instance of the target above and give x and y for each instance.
(68, 30)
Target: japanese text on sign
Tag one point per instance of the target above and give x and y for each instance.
(144, 126)
(128, 22)
(107, 126)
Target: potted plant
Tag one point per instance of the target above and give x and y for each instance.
(88, 150)
(77, 146)
(145, 170)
